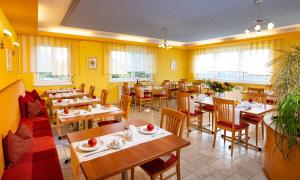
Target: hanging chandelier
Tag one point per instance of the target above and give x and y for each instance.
(259, 23)
(165, 43)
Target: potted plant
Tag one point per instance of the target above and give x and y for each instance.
(219, 87)
(286, 86)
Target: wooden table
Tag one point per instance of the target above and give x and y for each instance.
(60, 120)
(53, 91)
(67, 95)
(123, 160)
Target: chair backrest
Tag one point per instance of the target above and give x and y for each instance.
(138, 91)
(125, 105)
(126, 89)
(257, 97)
(172, 121)
(166, 84)
(82, 85)
(181, 86)
(91, 91)
(184, 80)
(183, 102)
(224, 110)
(104, 95)
(258, 90)
(197, 87)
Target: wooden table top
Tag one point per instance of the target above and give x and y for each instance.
(120, 161)
(81, 102)
(67, 95)
(81, 117)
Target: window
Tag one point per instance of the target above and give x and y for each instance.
(52, 66)
(131, 63)
(248, 66)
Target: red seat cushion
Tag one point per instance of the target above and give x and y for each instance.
(270, 101)
(14, 148)
(253, 118)
(159, 164)
(196, 113)
(208, 107)
(34, 108)
(146, 97)
(103, 123)
(34, 94)
(23, 106)
(242, 125)
(24, 132)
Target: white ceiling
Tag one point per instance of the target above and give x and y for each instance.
(186, 20)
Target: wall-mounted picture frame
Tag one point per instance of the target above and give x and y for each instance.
(92, 63)
(173, 65)
(8, 55)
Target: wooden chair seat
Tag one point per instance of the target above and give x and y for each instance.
(196, 113)
(103, 123)
(226, 124)
(146, 98)
(157, 165)
(160, 95)
(252, 118)
(208, 107)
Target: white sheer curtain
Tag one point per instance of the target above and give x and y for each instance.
(46, 54)
(242, 62)
(128, 58)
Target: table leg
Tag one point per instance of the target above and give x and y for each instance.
(125, 175)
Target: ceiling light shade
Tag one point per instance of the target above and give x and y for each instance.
(165, 43)
(259, 22)
(7, 32)
(270, 25)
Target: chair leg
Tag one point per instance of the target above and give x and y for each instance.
(232, 142)
(140, 106)
(246, 133)
(262, 129)
(161, 176)
(215, 136)
(224, 136)
(188, 126)
(213, 121)
(132, 174)
(178, 171)
(256, 135)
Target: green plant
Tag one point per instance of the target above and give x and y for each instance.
(286, 86)
(219, 87)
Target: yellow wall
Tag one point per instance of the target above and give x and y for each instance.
(6, 78)
(101, 81)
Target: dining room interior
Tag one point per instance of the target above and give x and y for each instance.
(149, 89)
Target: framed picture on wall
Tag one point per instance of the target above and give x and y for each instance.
(8, 54)
(92, 63)
(173, 65)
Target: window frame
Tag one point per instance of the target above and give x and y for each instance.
(54, 82)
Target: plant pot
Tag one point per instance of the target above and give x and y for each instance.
(275, 166)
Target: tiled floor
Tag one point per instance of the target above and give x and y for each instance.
(198, 161)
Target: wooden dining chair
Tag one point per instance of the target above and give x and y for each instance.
(255, 119)
(91, 91)
(258, 90)
(197, 87)
(183, 102)
(225, 119)
(126, 89)
(172, 121)
(125, 106)
(142, 98)
(81, 88)
(104, 96)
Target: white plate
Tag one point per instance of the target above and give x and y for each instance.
(119, 147)
(84, 146)
(144, 130)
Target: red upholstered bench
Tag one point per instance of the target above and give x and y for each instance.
(42, 161)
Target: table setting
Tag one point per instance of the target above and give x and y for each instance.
(75, 101)
(103, 145)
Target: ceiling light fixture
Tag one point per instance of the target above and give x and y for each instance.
(6, 33)
(259, 22)
(165, 43)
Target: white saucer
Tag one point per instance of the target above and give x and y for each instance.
(84, 146)
(144, 130)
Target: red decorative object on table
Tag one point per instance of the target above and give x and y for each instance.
(92, 142)
(150, 127)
